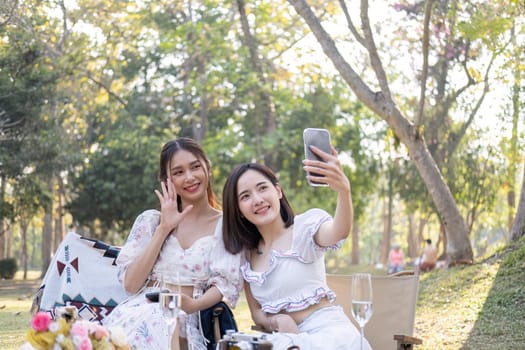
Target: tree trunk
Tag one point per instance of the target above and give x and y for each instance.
(3, 239)
(59, 219)
(9, 240)
(34, 244)
(442, 242)
(47, 232)
(412, 238)
(3, 223)
(387, 222)
(458, 243)
(513, 151)
(355, 244)
(518, 228)
(421, 229)
(23, 231)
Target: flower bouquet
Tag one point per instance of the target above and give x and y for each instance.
(69, 333)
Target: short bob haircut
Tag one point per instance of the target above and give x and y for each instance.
(170, 148)
(238, 232)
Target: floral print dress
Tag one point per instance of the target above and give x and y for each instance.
(204, 264)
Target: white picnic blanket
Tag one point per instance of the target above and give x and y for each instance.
(82, 274)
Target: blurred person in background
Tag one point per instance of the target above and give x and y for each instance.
(428, 257)
(396, 259)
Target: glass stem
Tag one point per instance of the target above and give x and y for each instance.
(170, 336)
(362, 336)
(171, 329)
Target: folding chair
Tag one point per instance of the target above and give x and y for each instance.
(394, 308)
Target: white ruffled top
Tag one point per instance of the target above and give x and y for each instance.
(296, 278)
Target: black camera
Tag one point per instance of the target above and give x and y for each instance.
(244, 341)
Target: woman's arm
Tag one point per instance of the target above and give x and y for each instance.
(211, 297)
(138, 271)
(339, 228)
(272, 323)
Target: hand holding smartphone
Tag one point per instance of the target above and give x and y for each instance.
(319, 138)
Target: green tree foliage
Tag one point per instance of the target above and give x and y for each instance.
(457, 47)
(28, 143)
(96, 87)
(118, 180)
(26, 84)
(8, 268)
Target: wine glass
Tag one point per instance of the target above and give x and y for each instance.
(168, 302)
(362, 300)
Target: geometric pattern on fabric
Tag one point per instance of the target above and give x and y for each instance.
(83, 274)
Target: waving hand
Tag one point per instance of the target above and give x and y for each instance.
(170, 216)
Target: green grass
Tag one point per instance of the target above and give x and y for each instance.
(15, 304)
(481, 306)
(475, 307)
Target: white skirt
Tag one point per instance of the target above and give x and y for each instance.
(326, 328)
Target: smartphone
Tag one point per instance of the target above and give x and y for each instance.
(154, 296)
(319, 138)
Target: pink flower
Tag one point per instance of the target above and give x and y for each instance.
(99, 332)
(79, 329)
(41, 321)
(85, 344)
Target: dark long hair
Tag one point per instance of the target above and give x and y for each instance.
(238, 233)
(185, 143)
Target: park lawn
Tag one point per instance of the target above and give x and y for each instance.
(479, 306)
(15, 304)
(14, 321)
